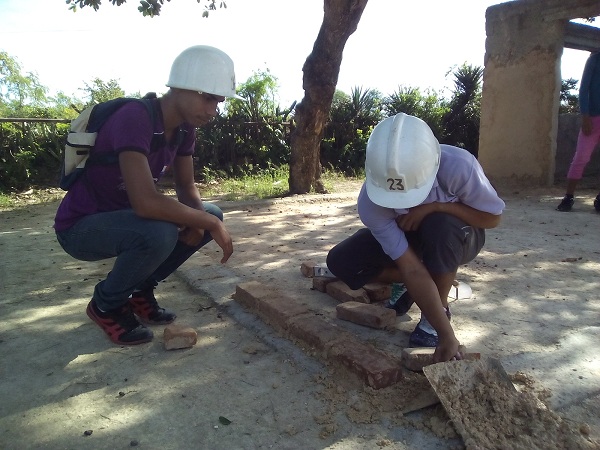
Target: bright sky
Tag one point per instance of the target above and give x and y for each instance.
(398, 42)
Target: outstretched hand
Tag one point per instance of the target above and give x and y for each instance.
(223, 239)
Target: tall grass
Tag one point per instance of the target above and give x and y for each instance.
(269, 183)
(264, 184)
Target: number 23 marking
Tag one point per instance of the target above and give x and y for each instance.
(396, 184)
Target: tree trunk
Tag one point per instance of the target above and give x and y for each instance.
(321, 71)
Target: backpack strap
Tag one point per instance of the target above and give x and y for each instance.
(101, 113)
(150, 101)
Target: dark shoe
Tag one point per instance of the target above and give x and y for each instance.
(421, 338)
(566, 204)
(120, 325)
(597, 203)
(400, 300)
(145, 306)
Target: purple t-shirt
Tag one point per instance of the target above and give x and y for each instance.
(460, 178)
(101, 188)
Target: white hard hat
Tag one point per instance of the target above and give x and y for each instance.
(403, 157)
(205, 69)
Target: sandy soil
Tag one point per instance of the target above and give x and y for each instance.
(534, 306)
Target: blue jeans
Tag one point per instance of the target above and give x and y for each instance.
(147, 251)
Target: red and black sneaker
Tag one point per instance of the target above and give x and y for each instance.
(120, 325)
(144, 305)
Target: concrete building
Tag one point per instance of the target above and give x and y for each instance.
(521, 86)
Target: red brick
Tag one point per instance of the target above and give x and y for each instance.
(308, 268)
(320, 283)
(277, 310)
(296, 322)
(375, 368)
(365, 314)
(177, 336)
(418, 357)
(342, 293)
(378, 292)
(247, 294)
(315, 332)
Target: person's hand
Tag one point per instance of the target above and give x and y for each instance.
(191, 236)
(412, 220)
(586, 125)
(447, 350)
(223, 239)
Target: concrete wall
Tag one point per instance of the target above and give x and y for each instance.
(521, 82)
(521, 87)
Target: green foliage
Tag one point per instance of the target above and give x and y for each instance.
(29, 151)
(20, 94)
(249, 136)
(569, 103)
(5, 201)
(260, 92)
(351, 120)
(148, 8)
(427, 106)
(461, 121)
(65, 107)
(247, 185)
(237, 147)
(268, 183)
(33, 153)
(248, 141)
(100, 91)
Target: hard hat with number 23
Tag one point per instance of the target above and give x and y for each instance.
(403, 157)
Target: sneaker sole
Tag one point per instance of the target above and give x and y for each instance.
(112, 329)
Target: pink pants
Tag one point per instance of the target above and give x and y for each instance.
(583, 152)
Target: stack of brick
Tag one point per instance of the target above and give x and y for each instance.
(326, 340)
(330, 342)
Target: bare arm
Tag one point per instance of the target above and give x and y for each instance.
(148, 203)
(425, 293)
(187, 193)
(183, 172)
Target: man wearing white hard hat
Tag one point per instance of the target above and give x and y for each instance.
(115, 210)
(425, 207)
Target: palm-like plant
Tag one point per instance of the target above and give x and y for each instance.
(427, 106)
(461, 122)
(352, 117)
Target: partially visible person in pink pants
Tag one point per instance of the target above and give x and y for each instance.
(589, 135)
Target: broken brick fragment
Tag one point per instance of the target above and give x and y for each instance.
(177, 336)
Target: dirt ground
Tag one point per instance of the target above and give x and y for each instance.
(535, 306)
